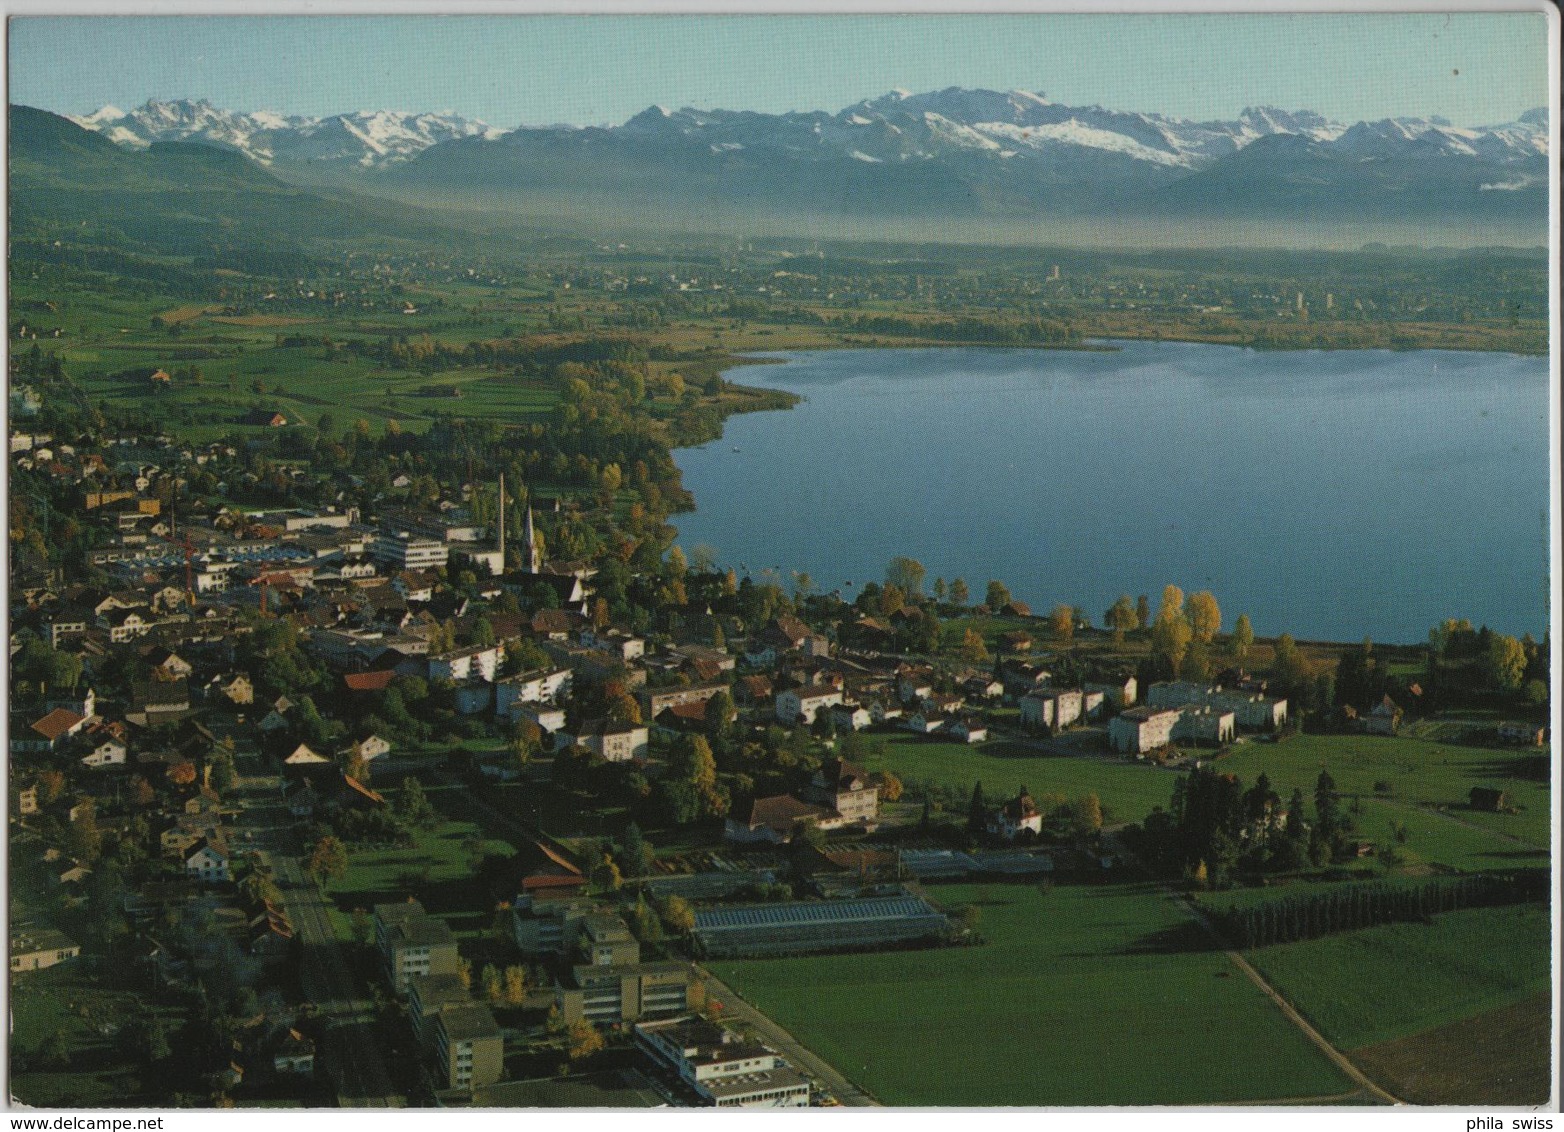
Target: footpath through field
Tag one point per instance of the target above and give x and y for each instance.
(1339, 1059)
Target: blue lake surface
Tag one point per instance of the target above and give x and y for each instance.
(1329, 494)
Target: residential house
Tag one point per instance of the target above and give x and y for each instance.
(775, 820)
(207, 861)
(36, 949)
(1384, 719)
(1524, 734)
(846, 789)
(802, 705)
(1017, 816)
(537, 686)
(613, 742)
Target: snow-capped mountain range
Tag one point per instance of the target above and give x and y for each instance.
(366, 138)
(939, 155)
(896, 127)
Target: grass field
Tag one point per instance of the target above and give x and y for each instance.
(1416, 770)
(437, 870)
(1389, 982)
(1128, 791)
(89, 1016)
(1075, 1000)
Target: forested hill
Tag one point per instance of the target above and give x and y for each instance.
(179, 198)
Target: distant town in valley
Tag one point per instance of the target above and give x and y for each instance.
(376, 740)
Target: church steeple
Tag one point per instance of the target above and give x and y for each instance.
(529, 543)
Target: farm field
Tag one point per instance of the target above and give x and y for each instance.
(1472, 1061)
(1378, 984)
(1082, 996)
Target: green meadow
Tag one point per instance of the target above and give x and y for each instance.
(1101, 995)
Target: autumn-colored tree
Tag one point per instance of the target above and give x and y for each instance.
(464, 971)
(1062, 622)
(582, 1040)
(328, 860)
(1205, 616)
(998, 595)
(890, 787)
(515, 985)
(959, 596)
(182, 774)
(141, 792)
(678, 915)
(1504, 664)
(493, 983)
(972, 646)
(51, 784)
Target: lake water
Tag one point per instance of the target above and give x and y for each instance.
(1331, 495)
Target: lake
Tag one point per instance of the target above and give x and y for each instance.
(1329, 494)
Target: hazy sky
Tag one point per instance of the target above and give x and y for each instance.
(1471, 68)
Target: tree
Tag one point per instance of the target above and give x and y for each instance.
(940, 589)
(635, 855)
(692, 765)
(998, 595)
(413, 805)
(678, 915)
(328, 860)
(493, 983)
(969, 916)
(605, 874)
(720, 713)
(1504, 664)
(582, 1040)
(890, 787)
(972, 646)
(258, 887)
(958, 594)
(906, 574)
(977, 811)
(1121, 618)
(1243, 636)
(515, 985)
(1171, 634)
(1142, 611)
(464, 972)
(1205, 617)
(224, 775)
(1062, 622)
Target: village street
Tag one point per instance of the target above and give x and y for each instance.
(351, 1050)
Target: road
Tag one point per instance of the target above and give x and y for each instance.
(351, 1049)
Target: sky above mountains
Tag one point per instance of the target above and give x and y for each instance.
(1471, 68)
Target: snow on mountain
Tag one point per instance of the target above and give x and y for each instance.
(958, 124)
(365, 137)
